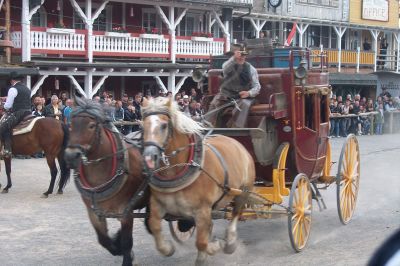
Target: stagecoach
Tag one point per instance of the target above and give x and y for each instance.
(288, 137)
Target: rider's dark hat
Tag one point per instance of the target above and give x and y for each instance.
(15, 76)
(238, 46)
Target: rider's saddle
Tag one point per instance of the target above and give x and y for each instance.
(26, 125)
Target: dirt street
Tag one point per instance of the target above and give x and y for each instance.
(56, 231)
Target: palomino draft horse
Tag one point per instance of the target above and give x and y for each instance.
(108, 174)
(48, 135)
(196, 176)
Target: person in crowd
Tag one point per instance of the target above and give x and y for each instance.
(118, 115)
(356, 121)
(385, 93)
(129, 116)
(389, 106)
(345, 121)
(340, 99)
(370, 106)
(365, 122)
(96, 98)
(53, 109)
(379, 101)
(169, 94)
(37, 100)
(194, 95)
(137, 103)
(383, 51)
(124, 101)
(335, 122)
(366, 45)
(63, 99)
(379, 120)
(38, 110)
(185, 105)
(67, 111)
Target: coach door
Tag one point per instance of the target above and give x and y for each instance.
(311, 131)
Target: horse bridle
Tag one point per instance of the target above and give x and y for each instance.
(93, 143)
(155, 144)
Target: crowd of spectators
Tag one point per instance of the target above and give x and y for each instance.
(355, 114)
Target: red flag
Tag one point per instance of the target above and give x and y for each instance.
(291, 35)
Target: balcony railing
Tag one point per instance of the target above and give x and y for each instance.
(357, 60)
(111, 44)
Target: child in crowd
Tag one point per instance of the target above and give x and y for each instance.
(38, 110)
(379, 120)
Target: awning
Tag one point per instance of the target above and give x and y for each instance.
(6, 69)
(352, 79)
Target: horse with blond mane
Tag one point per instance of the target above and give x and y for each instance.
(192, 175)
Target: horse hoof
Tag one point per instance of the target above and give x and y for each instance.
(4, 191)
(201, 259)
(60, 192)
(44, 196)
(230, 248)
(171, 251)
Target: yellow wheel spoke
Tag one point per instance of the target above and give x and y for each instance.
(295, 225)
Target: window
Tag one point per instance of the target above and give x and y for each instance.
(150, 19)
(189, 24)
(330, 3)
(100, 24)
(39, 19)
(309, 111)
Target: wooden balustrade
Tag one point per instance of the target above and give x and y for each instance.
(71, 41)
(131, 45)
(186, 47)
(348, 58)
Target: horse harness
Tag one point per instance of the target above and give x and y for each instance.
(193, 167)
(119, 173)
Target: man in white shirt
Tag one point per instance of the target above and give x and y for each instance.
(17, 106)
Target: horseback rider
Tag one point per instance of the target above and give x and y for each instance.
(17, 106)
(240, 82)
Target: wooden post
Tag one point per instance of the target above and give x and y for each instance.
(8, 28)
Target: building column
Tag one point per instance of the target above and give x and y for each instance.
(258, 24)
(397, 39)
(301, 28)
(171, 23)
(339, 32)
(89, 19)
(375, 34)
(225, 30)
(26, 16)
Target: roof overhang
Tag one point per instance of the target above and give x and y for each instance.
(120, 69)
(6, 69)
(314, 21)
(352, 79)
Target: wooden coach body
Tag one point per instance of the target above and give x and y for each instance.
(291, 107)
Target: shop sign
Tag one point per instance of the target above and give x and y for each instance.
(375, 10)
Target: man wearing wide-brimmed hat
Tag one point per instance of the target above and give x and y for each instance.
(17, 106)
(240, 82)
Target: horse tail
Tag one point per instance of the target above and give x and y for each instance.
(65, 171)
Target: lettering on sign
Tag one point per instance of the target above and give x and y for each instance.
(375, 10)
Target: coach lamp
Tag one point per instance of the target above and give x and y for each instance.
(301, 72)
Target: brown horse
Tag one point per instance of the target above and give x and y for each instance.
(108, 174)
(48, 135)
(195, 177)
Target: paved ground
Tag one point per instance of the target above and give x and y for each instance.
(56, 231)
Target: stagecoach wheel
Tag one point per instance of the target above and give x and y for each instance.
(348, 179)
(300, 209)
(178, 235)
